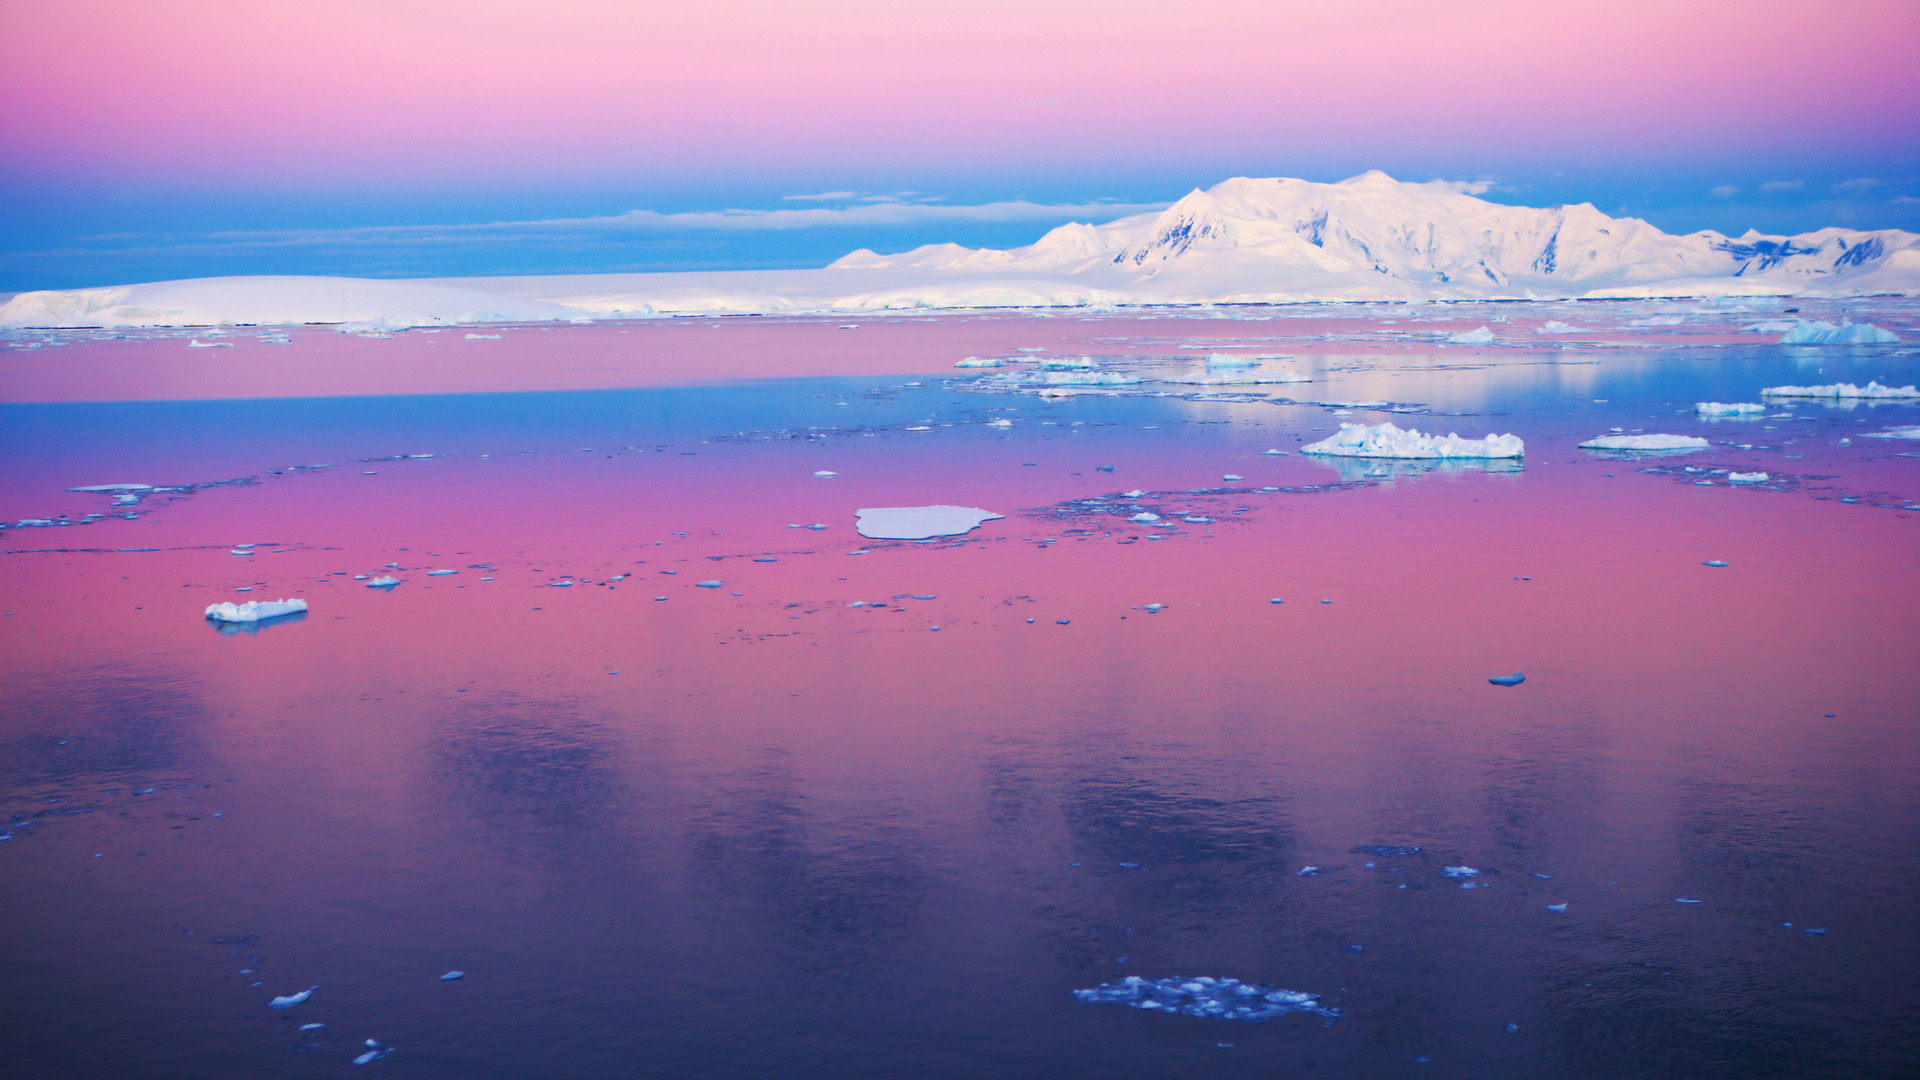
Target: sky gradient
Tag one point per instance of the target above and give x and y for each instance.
(138, 135)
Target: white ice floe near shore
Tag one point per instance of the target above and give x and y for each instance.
(1721, 408)
(1387, 441)
(1242, 241)
(1205, 996)
(1809, 332)
(919, 522)
(1871, 391)
(1645, 442)
(254, 610)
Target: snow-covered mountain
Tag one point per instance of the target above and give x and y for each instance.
(1242, 241)
(1247, 237)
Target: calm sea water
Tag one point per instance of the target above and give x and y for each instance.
(757, 831)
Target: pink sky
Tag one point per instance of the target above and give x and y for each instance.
(276, 91)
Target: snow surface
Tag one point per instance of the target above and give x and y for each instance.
(1388, 441)
(1808, 332)
(1843, 390)
(1645, 442)
(919, 522)
(254, 610)
(1242, 241)
(1721, 408)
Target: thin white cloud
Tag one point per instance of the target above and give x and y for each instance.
(825, 196)
(1773, 186)
(1724, 191)
(1467, 187)
(1905, 200)
(1855, 187)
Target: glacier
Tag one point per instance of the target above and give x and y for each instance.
(1387, 441)
(254, 610)
(1243, 241)
(919, 522)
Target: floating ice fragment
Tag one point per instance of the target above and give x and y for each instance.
(288, 1001)
(1872, 390)
(1459, 873)
(1231, 477)
(1910, 432)
(112, 489)
(979, 362)
(1555, 326)
(1154, 609)
(1809, 332)
(1817, 931)
(919, 522)
(384, 581)
(452, 975)
(1482, 336)
(825, 472)
(1747, 478)
(1222, 999)
(1645, 442)
(370, 1056)
(1306, 871)
(706, 584)
(1134, 494)
(483, 337)
(1066, 363)
(1715, 562)
(311, 1027)
(1386, 851)
(1001, 422)
(1684, 900)
(241, 551)
(254, 610)
(1721, 408)
(1514, 679)
(1387, 441)
(1556, 907)
(196, 343)
(441, 573)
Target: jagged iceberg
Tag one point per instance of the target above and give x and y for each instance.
(254, 610)
(1388, 441)
(1482, 336)
(1221, 999)
(1645, 442)
(1721, 408)
(919, 522)
(1809, 332)
(1872, 390)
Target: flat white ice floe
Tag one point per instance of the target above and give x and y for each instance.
(1555, 326)
(1082, 377)
(1644, 442)
(1809, 332)
(1388, 441)
(113, 488)
(1243, 377)
(288, 1001)
(384, 581)
(1204, 996)
(254, 610)
(980, 362)
(919, 522)
(1912, 431)
(1721, 408)
(1872, 390)
(1748, 478)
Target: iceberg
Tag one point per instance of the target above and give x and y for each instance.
(254, 610)
(1555, 326)
(1720, 408)
(384, 581)
(919, 522)
(1645, 442)
(1388, 441)
(1204, 996)
(1482, 336)
(1242, 377)
(977, 362)
(1808, 332)
(1872, 391)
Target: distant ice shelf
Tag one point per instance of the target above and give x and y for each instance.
(254, 610)
(1387, 441)
(919, 522)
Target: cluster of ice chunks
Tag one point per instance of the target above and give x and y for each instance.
(1222, 999)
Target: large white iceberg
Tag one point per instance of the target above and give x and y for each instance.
(1721, 408)
(1844, 390)
(1645, 442)
(919, 522)
(1387, 441)
(1809, 332)
(254, 610)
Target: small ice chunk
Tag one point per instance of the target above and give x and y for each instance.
(1154, 609)
(483, 337)
(1231, 477)
(1747, 478)
(370, 1056)
(1274, 453)
(1684, 900)
(1307, 871)
(1910, 432)
(1721, 408)
(254, 610)
(1066, 363)
(826, 472)
(980, 362)
(384, 581)
(241, 551)
(1556, 907)
(1645, 442)
(706, 584)
(311, 1027)
(1514, 679)
(1482, 336)
(1555, 326)
(1459, 873)
(452, 975)
(1715, 562)
(1000, 422)
(441, 573)
(288, 1001)
(1387, 441)
(919, 522)
(1205, 996)
(113, 489)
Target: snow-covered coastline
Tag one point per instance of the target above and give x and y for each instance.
(1243, 241)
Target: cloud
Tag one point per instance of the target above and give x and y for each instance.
(1772, 186)
(1467, 187)
(1906, 200)
(1724, 191)
(1855, 187)
(825, 196)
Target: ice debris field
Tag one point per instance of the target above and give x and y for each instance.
(1206, 996)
